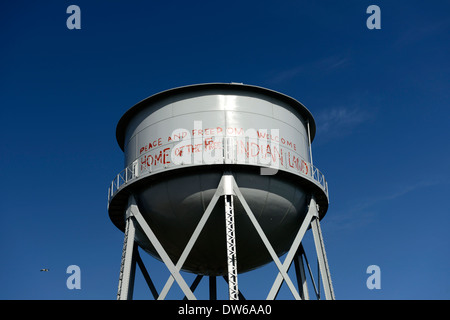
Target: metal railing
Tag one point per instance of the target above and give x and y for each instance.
(136, 170)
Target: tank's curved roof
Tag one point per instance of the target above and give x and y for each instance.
(234, 87)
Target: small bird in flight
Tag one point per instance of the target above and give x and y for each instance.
(46, 270)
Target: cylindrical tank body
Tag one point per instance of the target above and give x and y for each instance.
(179, 143)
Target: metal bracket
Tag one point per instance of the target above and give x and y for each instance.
(225, 187)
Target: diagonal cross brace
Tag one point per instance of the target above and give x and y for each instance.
(312, 218)
(190, 244)
(266, 242)
(227, 186)
(294, 247)
(222, 188)
(160, 250)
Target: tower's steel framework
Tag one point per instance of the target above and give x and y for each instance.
(300, 188)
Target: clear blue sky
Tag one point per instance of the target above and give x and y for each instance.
(381, 100)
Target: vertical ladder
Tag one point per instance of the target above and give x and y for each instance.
(231, 248)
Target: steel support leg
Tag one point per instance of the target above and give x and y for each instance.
(212, 288)
(134, 211)
(315, 287)
(311, 219)
(128, 264)
(147, 278)
(300, 272)
(321, 255)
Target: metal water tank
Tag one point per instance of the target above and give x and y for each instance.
(177, 145)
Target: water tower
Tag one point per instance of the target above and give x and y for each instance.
(218, 180)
